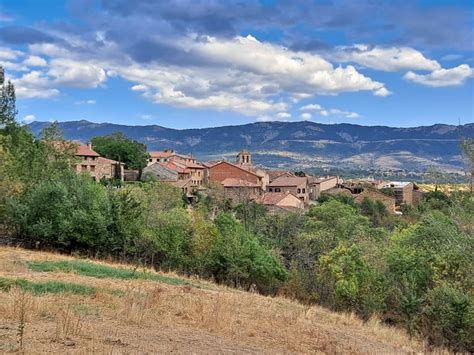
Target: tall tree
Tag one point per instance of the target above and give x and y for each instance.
(7, 100)
(119, 147)
(467, 145)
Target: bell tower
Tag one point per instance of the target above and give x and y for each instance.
(244, 158)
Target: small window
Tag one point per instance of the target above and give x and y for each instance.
(270, 189)
(277, 189)
(304, 191)
(150, 160)
(92, 168)
(93, 158)
(298, 191)
(83, 167)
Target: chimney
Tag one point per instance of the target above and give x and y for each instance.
(89, 146)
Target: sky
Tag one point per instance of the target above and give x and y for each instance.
(204, 63)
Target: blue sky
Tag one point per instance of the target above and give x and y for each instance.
(186, 64)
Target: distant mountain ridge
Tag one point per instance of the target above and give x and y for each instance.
(298, 144)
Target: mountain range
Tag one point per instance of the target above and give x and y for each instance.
(299, 145)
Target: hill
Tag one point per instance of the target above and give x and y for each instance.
(73, 305)
(300, 145)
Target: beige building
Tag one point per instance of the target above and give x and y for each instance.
(321, 184)
(293, 184)
(280, 201)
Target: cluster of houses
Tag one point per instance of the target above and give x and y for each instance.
(278, 190)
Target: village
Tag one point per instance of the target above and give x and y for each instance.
(241, 181)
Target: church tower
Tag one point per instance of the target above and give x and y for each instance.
(244, 158)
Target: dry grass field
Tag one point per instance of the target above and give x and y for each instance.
(53, 303)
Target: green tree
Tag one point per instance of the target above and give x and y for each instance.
(118, 147)
(7, 101)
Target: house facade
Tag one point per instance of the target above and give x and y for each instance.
(321, 184)
(97, 167)
(293, 184)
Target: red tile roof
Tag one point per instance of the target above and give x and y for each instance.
(272, 198)
(237, 166)
(84, 150)
(161, 154)
(288, 181)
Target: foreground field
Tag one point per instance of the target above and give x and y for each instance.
(53, 303)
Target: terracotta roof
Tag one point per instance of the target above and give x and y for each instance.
(273, 174)
(172, 165)
(288, 181)
(194, 165)
(84, 150)
(161, 154)
(237, 166)
(233, 182)
(273, 198)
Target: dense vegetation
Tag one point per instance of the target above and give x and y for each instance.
(414, 271)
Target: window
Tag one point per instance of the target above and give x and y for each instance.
(83, 167)
(277, 189)
(270, 189)
(92, 168)
(304, 191)
(150, 160)
(298, 191)
(93, 158)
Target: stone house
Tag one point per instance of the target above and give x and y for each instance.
(96, 166)
(241, 190)
(294, 184)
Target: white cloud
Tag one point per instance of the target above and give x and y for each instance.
(311, 107)
(240, 74)
(29, 118)
(9, 54)
(139, 88)
(85, 102)
(283, 115)
(146, 117)
(76, 74)
(449, 57)
(339, 113)
(442, 77)
(35, 61)
(382, 92)
(34, 85)
(385, 58)
(306, 116)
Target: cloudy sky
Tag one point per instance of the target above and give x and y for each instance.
(201, 63)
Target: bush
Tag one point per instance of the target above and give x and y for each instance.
(448, 318)
(71, 212)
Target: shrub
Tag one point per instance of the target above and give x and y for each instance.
(448, 318)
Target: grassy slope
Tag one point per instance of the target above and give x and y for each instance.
(74, 305)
